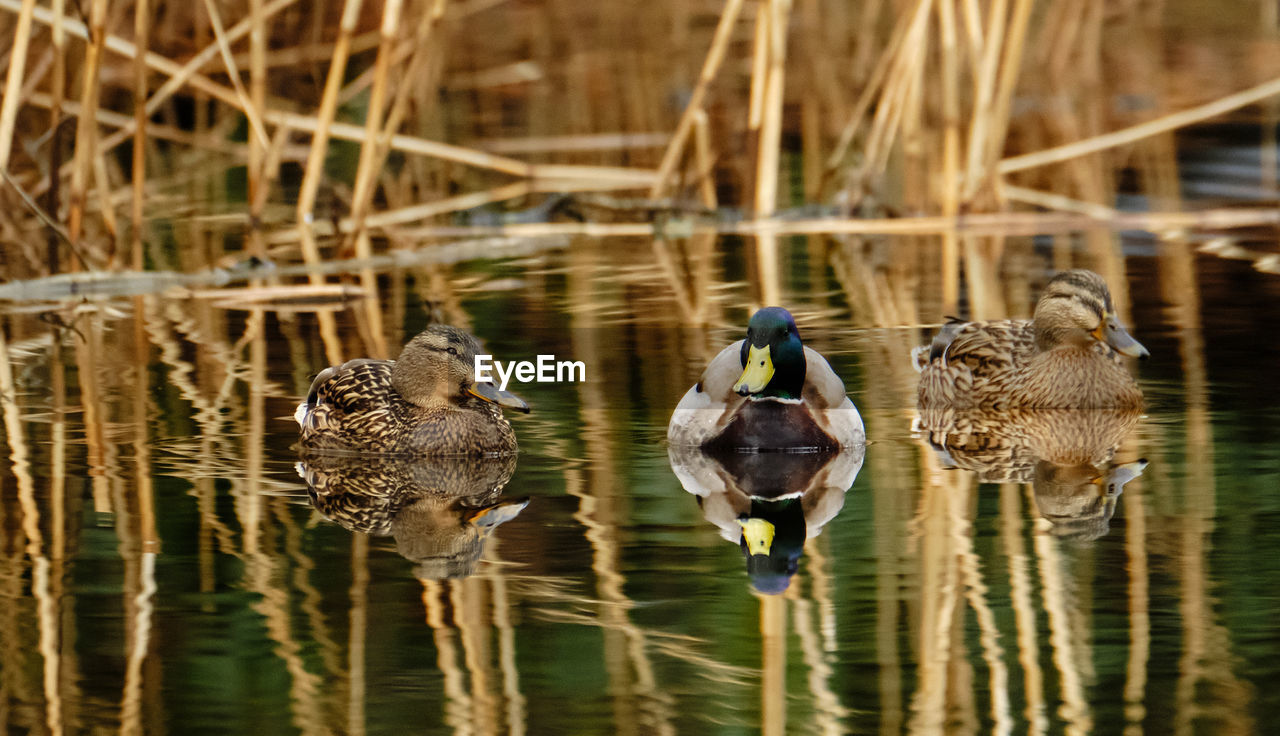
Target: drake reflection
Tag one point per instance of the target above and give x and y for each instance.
(439, 510)
(1067, 455)
(767, 503)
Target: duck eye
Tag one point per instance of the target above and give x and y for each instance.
(452, 350)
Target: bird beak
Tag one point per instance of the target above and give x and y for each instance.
(490, 516)
(1115, 335)
(759, 535)
(495, 395)
(757, 373)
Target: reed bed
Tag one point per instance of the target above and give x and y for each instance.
(931, 108)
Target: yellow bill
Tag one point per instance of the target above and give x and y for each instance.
(757, 373)
(759, 535)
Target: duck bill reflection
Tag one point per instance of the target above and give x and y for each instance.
(757, 373)
(1114, 481)
(758, 534)
(491, 393)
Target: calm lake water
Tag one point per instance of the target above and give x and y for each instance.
(164, 569)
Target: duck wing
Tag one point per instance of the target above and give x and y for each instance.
(985, 348)
(353, 405)
(707, 407)
(823, 388)
(721, 374)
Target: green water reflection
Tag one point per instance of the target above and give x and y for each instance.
(165, 564)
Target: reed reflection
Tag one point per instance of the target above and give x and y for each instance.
(768, 504)
(1066, 455)
(439, 510)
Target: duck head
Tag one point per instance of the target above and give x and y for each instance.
(1076, 310)
(773, 362)
(437, 367)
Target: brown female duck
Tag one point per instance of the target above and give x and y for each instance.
(426, 402)
(1066, 357)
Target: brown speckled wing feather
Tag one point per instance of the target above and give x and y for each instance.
(355, 400)
(987, 348)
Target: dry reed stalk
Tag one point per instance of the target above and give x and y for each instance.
(255, 297)
(868, 95)
(119, 122)
(973, 31)
(1270, 148)
(996, 223)
(770, 143)
(768, 272)
(608, 176)
(1013, 223)
(103, 188)
(178, 75)
(987, 76)
(1051, 201)
(580, 142)
(371, 155)
(413, 213)
(258, 149)
(361, 198)
(58, 93)
(1010, 65)
(421, 71)
(705, 160)
(759, 67)
(188, 73)
(86, 130)
(710, 68)
(314, 169)
(141, 29)
(950, 154)
(304, 54)
(13, 80)
(253, 114)
(1135, 133)
(905, 70)
(271, 168)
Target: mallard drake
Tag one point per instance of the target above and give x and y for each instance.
(768, 504)
(767, 392)
(1066, 357)
(426, 402)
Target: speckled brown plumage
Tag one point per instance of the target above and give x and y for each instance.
(1066, 357)
(1002, 446)
(420, 404)
(1067, 455)
(439, 510)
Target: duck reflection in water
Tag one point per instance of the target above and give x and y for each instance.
(767, 503)
(439, 510)
(1067, 455)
